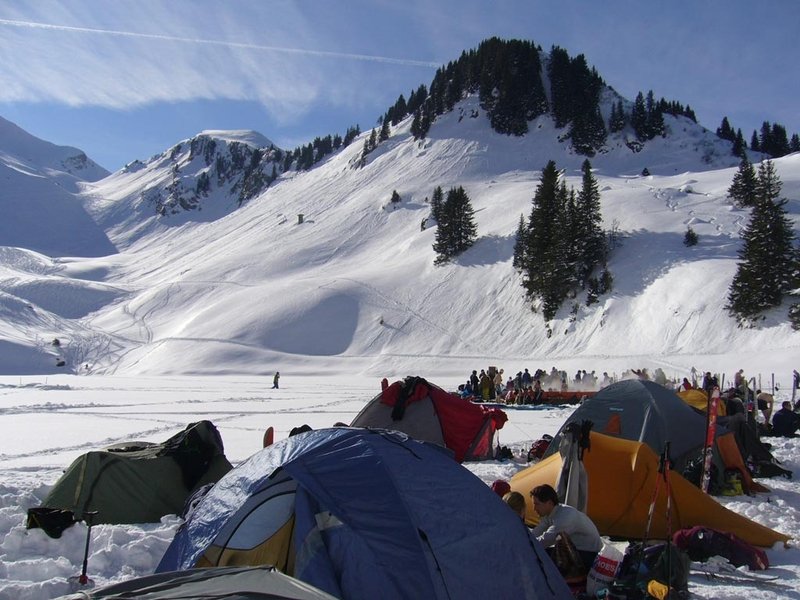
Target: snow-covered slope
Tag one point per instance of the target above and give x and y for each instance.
(38, 196)
(199, 179)
(42, 155)
(230, 288)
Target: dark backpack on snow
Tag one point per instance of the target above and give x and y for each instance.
(701, 543)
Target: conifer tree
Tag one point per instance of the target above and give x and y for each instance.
(765, 138)
(639, 118)
(618, 119)
(352, 133)
(437, 200)
(743, 188)
(754, 145)
(457, 230)
(416, 128)
(612, 119)
(725, 131)
(384, 134)
(518, 261)
(593, 240)
(779, 141)
(399, 110)
(655, 117)
(794, 144)
(767, 269)
(690, 238)
(739, 146)
(540, 252)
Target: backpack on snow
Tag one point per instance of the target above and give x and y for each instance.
(701, 543)
(664, 563)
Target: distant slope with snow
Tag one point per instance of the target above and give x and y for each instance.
(243, 287)
(38, 197)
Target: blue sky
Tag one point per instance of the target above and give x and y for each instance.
(129, 78)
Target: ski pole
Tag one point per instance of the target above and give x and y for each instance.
(652, 508)
(87, 516)
(665, 473)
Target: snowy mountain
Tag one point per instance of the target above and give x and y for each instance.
(38, 198)
(199, 179)
(226, 283)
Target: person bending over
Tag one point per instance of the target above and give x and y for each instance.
(561, 519)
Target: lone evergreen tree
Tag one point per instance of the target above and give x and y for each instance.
(457, 230)
(768, 258)
(690, 238)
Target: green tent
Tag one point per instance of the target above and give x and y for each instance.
(136, 482)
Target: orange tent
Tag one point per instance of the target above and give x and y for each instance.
(699, 399)
(622, 478)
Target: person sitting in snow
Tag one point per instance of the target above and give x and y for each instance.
(563, 520)
(785, 422)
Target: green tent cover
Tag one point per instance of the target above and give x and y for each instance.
(135, 482)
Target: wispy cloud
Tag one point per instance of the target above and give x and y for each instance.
(225, 43)
(137, 54)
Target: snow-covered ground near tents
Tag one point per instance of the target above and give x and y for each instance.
(48, 421)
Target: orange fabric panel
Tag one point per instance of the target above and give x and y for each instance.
(622, 477)
(614, 425)
(699, 400)
(729, 452)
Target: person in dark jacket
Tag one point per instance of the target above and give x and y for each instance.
(785, 422)
(275, 380)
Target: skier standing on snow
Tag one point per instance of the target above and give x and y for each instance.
(275, 380)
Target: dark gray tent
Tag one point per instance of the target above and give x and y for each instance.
(137, 482)
(643, 411)
(222, 583)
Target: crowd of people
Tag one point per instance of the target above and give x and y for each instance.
(493, 385)
(525, 387)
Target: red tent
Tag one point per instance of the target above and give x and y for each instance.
(426, 412)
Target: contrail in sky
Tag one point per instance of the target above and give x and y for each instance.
(170, 38)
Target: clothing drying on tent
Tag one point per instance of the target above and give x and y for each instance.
(363, 513)
(428, 413)
(622, 477)
(136, 482)
(231, 583)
